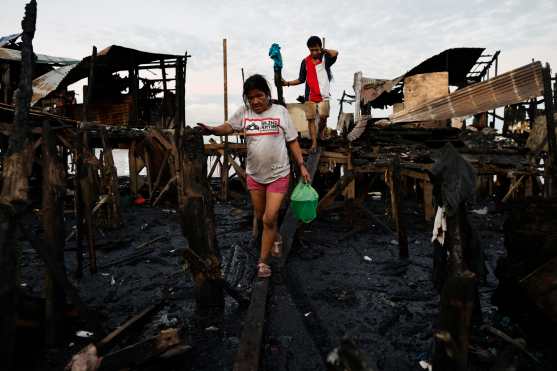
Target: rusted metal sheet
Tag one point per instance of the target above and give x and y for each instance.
(373, 88)
(48, 82)
(113, 59)
(512, 87)
(15, 56)
(456, 61)
(4, 40)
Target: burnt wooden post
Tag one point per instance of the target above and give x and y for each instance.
(15, 174)
(551, 141)
(458, 296)
(52, 213)
(180, 94)
(88, 183)
(198, 220)
(394, 183)
(110, 183)
(225, 168)
(134, 93)
(90, 81)
(78, 204)
(134, 171)
(5, 76)
(164, 89)
(278, 84)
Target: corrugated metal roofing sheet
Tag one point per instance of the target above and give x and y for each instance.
(6, 39)
(15, 55)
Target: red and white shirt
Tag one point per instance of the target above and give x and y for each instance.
(266, 136)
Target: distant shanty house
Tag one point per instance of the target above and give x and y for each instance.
(434, 78)
(115, 92)
(10, 66)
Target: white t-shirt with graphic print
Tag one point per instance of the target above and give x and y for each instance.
(266, 136)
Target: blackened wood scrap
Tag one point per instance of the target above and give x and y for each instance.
(197, 218)
(551, 140)
(519, 344)
(164, 190)
(540, 288)
(361, 207)
(109, 340)
(138, 253)
(395, 190)
(110, 181)
(514, 185)
(52, 213)
(335, 190)
(191, 258)
(128, 357)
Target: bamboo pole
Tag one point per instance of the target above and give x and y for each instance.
(225, 165)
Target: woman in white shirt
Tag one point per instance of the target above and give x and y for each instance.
(269, 133)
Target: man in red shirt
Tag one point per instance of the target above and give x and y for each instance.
(315, 71)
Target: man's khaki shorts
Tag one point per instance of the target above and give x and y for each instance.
(312, 109)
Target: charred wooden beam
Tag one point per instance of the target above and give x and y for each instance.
(134, 170)
(91, 80)
(88, 184)
(551, 140)
(52, 213)
(180, 95)
(110, 184)
(395, 189)
(15, 172)
(198, 220)
(458, 298)
(78, 204)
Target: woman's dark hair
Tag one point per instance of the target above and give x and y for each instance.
(256, 82)
(314, 41)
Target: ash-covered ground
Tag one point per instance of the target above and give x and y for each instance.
(343, 279)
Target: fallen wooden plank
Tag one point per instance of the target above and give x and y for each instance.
(337, 189)
(248, 356)
(512, 87)
(140, 353)
(109, 339)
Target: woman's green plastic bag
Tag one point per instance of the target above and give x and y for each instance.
(303, 201)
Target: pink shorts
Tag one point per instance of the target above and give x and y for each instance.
(278, 186)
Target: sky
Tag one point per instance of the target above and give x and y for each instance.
(383, 39)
